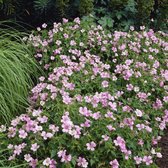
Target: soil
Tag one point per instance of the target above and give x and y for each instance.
(163, 162)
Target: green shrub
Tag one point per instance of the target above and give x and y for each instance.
(162, 15)
(85, 7)
(112, 14)
(62, 7)
(117, 3)
(145, 8)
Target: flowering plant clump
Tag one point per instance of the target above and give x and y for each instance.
(101, 104)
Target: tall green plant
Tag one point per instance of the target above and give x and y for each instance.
(17, 69)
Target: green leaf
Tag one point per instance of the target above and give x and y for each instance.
(53, 153)
(110, 22)
(41, 5)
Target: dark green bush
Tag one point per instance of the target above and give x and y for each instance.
(85, 7)
(62, 7)
(162, 14)
(112, 14)
(117, 3)
(144, 8)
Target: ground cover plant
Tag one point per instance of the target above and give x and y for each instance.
(17, 69)
(103, 101)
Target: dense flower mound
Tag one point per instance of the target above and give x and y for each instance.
(101, 104)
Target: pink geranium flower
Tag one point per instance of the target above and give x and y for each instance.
(114, 164)
(81, 162)
(91, 146)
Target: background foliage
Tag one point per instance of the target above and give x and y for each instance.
(112, 14)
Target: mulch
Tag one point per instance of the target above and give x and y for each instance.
(163, 162)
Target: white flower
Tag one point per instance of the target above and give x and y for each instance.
(10, 146)
(136, 89)
(47, 162)
(132, 28)
(2, 128)
(153, 151)
(159, 155)
(138, 112)
(27, 158)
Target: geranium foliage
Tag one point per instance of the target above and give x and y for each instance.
(101, 104)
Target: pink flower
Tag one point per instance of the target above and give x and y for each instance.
(114, 164)
(12, 157)
(110, 115)
(64, 158)
(137, 159)
(140, 142)
(158, 104)
(77, 20)
(36, 112)
(53, 128)
(85, 112)
(111, 128)
(82, 162)
(61, 153)
(67, 124)
(147, 160)
(130, 87)
(65, 20)
(91, 146)
(142, 96)
(46, 135)
(87, 123)
(42, 119)
(165, 99)
(120, 142)
(53, 164)
(148, 129)
(159, 155)
(22, 134)
(105, 137)
(33, 163)
(129, 122)
(15, 122)
(27, 157)
(126, 109)
(113, 106)
(72, 43)
(96, 116)
(17, 150)
(165, 75)
(11, 132)
(34, 147)
(67, 99)
(105, 84)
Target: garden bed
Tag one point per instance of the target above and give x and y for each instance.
(101, 103)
